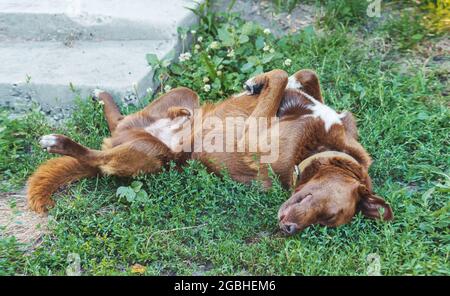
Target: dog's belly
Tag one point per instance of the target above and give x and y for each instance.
(169, 131)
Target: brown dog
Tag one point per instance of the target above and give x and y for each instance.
(332, 188)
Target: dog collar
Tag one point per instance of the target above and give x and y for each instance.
(298, 169)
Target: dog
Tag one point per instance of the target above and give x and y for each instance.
(319, 144)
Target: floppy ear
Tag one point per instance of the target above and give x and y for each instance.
(310, 83)
(349, 122)
(370, 205)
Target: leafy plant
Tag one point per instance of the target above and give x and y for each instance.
(437, 15)
(406, 30)
(132, 193)
(346, 12)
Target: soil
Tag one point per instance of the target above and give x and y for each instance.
(265, 13)
(17, 220)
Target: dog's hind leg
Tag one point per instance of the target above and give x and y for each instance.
(79, 162)
(110, 108)
(180, 97)
(142, 154)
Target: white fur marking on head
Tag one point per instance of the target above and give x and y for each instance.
(328, 115)
(293, 83)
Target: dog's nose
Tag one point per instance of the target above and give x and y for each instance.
(290, 228)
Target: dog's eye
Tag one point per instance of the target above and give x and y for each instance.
(301, 198)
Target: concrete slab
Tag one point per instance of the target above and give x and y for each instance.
(54, 50)
(47, 20)
(53, 74)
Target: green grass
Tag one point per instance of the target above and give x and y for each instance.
(195, 222)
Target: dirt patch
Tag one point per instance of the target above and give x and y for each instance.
(17, 220)
(265, 13)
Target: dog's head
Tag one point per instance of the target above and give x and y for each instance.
(333, 190)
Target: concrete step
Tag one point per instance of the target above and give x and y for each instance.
(54, 50)
(67, 20)
(53, 74)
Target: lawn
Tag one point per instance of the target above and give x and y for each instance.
(192, 222)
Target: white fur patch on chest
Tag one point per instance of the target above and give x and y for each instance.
(328, 115)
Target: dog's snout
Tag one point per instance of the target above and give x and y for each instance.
(282, 217)
(289, 228)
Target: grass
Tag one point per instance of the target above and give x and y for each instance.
(194, 222)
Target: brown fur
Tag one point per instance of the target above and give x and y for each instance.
(52, 175)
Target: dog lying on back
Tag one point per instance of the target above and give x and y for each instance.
(321, 156)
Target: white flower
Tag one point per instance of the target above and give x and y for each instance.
(267, 31)
(288, 62)
(197, 46)
(219, 73)
(205, 79)
(200, 39)
(193, 32)
(214, 45)
(185, 57)
(167, 88)
(266, 47)
(272, 50)
(149, 90)
(207, 88)
(230, 53)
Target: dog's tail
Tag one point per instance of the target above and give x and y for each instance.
(50, 176)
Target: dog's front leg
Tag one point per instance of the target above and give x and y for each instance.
(271, 86)
(260, 136)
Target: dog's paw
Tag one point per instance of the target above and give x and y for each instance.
(95, 95)
(254, 85)
(52, 143)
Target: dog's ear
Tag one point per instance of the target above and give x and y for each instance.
(349, 122)
(373, 206)
(310, 83)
